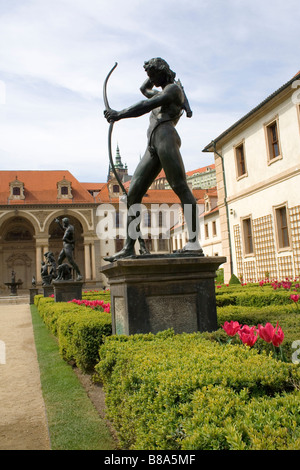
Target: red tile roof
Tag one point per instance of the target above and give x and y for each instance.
(40, 187)
(92, 186)
(161, 174)
(188, 173)
(153, 196)
(200, 170)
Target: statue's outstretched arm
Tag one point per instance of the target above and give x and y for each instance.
(141, 108)
(58, 222)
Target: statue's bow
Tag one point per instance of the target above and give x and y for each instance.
(105, 87)
(111, 125)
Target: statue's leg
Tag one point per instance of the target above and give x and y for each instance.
(70, 258)
(145, 173)
(61, 257)
(167, 143)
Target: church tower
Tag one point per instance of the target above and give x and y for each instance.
(120, 168)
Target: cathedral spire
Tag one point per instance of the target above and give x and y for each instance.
(119, 166)
(118, 161)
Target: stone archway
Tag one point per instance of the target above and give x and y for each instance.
(17, 251)
(55, 241)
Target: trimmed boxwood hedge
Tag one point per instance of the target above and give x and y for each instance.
(80, 330)
(253, 298)
(185, 392)
(81, 334)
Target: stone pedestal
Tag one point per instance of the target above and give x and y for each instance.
(48, 290)
(152, 293)
(64, 291)
(33, 291)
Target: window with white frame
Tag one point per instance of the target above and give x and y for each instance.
(206, 231)
(247, 235)
(240, 160)
(282, 229)
(214, 228)
(273, 141)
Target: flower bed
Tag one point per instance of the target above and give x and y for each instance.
(185, 392)
(235, 388)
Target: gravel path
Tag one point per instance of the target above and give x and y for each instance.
(23, 423)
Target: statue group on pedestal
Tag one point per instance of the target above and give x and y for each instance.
(52, 271)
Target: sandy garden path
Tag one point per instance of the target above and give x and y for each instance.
(23, 423)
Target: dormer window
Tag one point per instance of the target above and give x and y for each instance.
(16, 191)
(16, 188)
(114, 188)
(64, 189)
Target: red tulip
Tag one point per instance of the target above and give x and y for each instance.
(248, 336)
(231, 328)
(266, 332)
(270, 335)
(278, 336)
(295, 297)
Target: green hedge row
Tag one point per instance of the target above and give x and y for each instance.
(80, 330)
(184, 392)
(255, 297)
(80, 336)
(97, 295)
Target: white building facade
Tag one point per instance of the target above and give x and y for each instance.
(258, 179)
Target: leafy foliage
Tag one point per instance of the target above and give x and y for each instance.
(161, 389)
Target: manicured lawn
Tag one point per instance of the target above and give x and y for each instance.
(74, 423)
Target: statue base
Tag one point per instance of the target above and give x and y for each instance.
(48, 290)
(64, 291)
(152, 293)
(33, 291)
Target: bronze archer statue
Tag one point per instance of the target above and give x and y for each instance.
(163, 149)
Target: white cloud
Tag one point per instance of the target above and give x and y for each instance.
(55, 55)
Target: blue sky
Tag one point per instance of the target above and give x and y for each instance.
(55, 55)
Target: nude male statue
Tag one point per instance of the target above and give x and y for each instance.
(163, 150)
(68, 246)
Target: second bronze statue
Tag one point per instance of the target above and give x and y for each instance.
(67, 250)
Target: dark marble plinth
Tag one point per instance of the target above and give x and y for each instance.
(64, 291)
(33, 291)
(154, 293)
(48, 290)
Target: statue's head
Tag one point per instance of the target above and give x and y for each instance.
(159, 66)
(65, 221)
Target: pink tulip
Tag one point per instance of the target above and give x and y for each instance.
(266, 332)
(248, 336)
(278, 336)
(270, 335)
(231, 328)
(295, 297)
